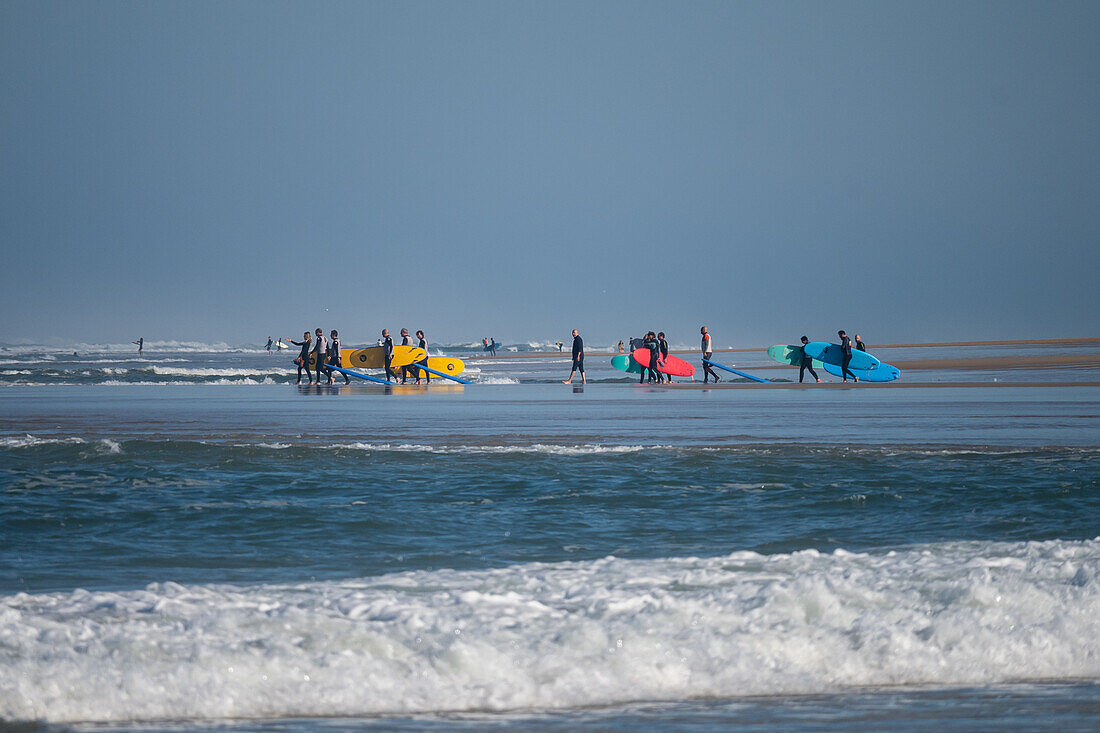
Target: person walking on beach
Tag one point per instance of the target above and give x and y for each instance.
(334, 355)
(559, 344)
(387, 350)
(405, 369)
(578, 358)
(269, 342)
(622, 349)
(492, 346)
(846, 358)
(708, 352)
(806, 363)
(303, 356)
(859, 343)
(423, 344)
(320, 352)
(663, 347)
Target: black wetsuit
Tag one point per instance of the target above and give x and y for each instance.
(423, 344)
(319, 352)
(663, 345)
(707, 353)
(806, 363)
(334, 358)
(387, 348)
(405, 369)
(650, 372)
(303, 359)
(846, 359)
(578, 354)
(861, 346)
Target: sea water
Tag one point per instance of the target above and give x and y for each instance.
(203, 547)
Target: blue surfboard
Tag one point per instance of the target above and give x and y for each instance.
(833, 354)
(882, 373)
(349, 372)
(741, 374)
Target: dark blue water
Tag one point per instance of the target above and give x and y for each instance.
(612, 556)
(94, 516)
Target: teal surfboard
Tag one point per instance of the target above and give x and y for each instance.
(626, 363)
(791, 355)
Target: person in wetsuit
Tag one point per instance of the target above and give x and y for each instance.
(859, 343)
(405, 342)
(663, 346)
(320, 352)
(387, 350)
(806, 363)
(303, 356)
(846, 359)
(334, 355)
(708, 352)
(650, 373)
(578, 358)
(269, 342)
(423, 344)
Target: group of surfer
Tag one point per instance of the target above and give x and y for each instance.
(326, 356)
(846, 345)
(657, 346)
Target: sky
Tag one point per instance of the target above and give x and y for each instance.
(225, 172)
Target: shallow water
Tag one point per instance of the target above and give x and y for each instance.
(488, 556)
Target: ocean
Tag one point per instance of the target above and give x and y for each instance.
(190, 542)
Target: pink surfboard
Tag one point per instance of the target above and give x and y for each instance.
(673, 365)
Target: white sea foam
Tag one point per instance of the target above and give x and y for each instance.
(32, 441)
(557, 635)
(537, 449)
(497, 380)
(219, 372)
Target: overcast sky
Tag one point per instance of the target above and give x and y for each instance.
(226, 171)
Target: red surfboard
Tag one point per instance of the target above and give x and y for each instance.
(673, 365)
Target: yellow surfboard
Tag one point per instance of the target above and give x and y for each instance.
(373, 357)
(444, 364)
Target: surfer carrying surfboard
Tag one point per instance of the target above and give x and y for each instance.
(578, 358)
(662, 345)
(387, 350)
(650, 343)
(708, 352)
(423, 344)
(806, 363)
(334, 355)
(405, 369)
(846, 349)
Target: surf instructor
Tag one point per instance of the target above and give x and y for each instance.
(578, 358)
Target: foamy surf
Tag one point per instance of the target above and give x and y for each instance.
(560, 635)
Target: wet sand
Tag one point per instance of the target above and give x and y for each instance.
(861, 385)
(1021, 362)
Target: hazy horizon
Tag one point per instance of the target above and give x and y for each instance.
(227, 172)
